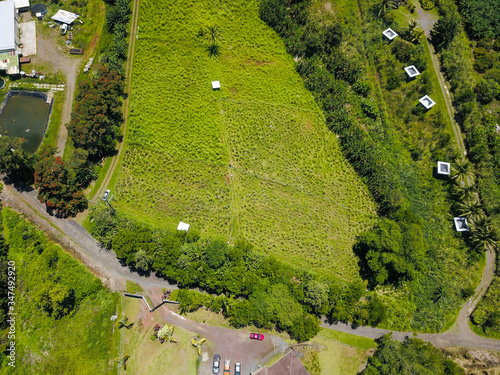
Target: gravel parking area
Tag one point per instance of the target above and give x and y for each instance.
(28, 38)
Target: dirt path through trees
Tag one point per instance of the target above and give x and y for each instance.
(128, 79)
(427, 21)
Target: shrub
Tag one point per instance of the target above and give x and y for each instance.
(487, 90)
(484, 60)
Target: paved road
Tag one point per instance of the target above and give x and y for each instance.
(78, 242)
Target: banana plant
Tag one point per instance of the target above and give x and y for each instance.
(197, 344)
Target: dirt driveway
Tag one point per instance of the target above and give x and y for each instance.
(49, 52)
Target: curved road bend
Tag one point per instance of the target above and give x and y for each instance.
(76, 240)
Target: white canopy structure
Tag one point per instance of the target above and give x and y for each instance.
(64, 16)
(22, 4)
(412, 71)
(390, 34)
(216, 85)
(443, 168)
(427, 102)
(461, 224)
(183, 226)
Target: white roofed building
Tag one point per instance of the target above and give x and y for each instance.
(22, 5)
(63, 16)
(9, 37)
(9, 28)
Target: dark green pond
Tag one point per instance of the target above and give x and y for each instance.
(25, 117)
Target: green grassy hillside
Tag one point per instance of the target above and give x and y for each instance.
(253, 160)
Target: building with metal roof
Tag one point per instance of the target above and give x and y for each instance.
(9, 28)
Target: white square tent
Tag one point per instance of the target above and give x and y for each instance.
(427, 102)
(390, 34)
(183, 226)
(64, 16)
(443, 169)
(215, 85)
(411, 71)
(461, 224)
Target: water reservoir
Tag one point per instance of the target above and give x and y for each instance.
(25, 115)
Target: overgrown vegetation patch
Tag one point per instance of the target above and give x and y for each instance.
(63, 311)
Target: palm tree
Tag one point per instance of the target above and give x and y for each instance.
(197, 344)
(214, 33)
(213, 50)
(384, 6)
(123, 361)
(167, 333)
(415, 32)
(472, 209)
(484, 237)
(123, 322)
(463, 172)
(468, 192)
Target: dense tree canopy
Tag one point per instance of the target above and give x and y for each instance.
(412, 356)
(481, 17)
(57, 183)
(96, 119)
(14, 161)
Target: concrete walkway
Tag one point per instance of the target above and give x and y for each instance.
(28, 38)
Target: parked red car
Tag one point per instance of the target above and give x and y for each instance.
(257, 336)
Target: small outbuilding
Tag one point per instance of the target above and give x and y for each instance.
(427, 102)
(215, 85)
(22, 5)
(461, 224)
(390, 34)
(39, 10)
(183, 226)
(411, 71)
(443, 169)
(63, 16)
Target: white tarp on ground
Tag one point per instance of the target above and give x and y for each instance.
(28, 38)
(22, 4)
(183, 226)
(8, 26)
(65, 17)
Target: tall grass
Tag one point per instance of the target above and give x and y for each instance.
(253, 160)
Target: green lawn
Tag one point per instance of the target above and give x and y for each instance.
(253, 160)
(152, 357)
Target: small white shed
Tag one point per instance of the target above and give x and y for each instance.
(461, 224)
(390, 34)
(411, 71)
(215, 85)
(427, 102)
(183, 226)
(443, 168)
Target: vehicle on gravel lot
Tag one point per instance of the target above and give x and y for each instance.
(226, 367)
(257, 336)
(237, 369)
(216, 367)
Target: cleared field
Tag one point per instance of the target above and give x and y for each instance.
(253, 160)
